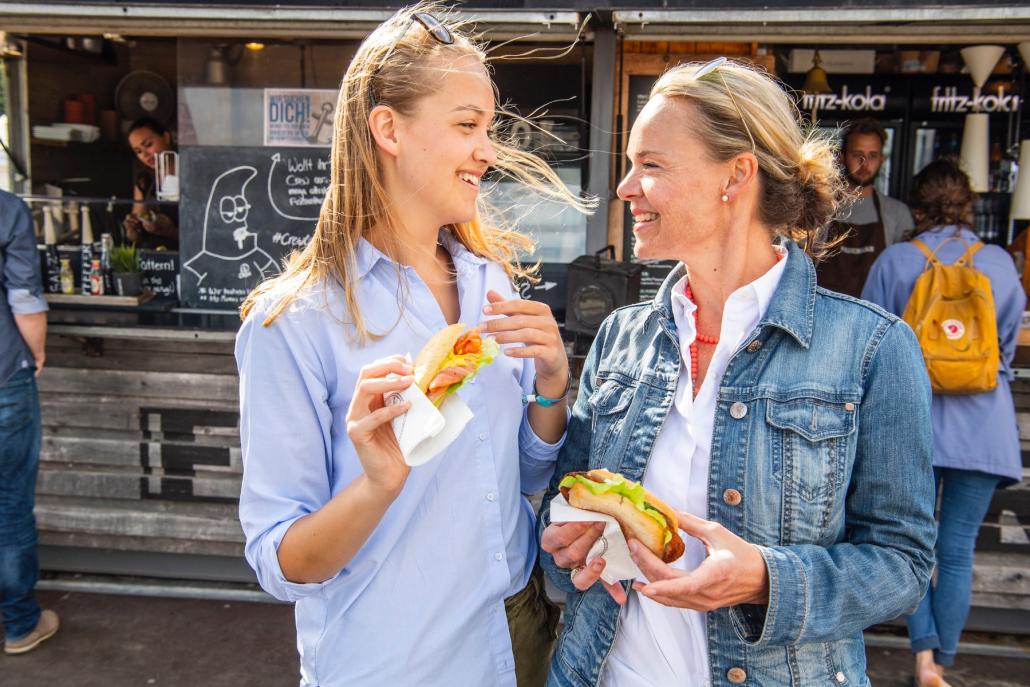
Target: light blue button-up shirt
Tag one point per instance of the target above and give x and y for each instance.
(422, 603)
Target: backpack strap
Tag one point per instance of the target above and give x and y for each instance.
(971, 250)
(931, 257)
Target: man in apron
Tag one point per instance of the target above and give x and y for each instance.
(873, 222)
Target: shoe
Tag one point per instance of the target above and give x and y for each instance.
(45, 629)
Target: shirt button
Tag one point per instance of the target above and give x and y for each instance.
(849, 406)
(732, 497)
(754, 346)
(482, 436)
(738, 410)
(736, 675)
(498, 556)
(491, 496)
(840, 677)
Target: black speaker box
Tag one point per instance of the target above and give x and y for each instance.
(596, 286)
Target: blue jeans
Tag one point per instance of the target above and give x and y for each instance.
(19, 462)
(938, 622)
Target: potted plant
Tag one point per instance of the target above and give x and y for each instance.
(125, 270)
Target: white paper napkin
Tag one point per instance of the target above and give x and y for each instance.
(423, 431)
(618, 564)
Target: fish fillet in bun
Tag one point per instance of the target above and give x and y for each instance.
(640, 514)
(449, 359)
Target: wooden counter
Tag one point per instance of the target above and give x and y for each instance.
(140, 466)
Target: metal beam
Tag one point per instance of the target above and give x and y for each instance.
(957, 25)
(180, 19)
(601, 112)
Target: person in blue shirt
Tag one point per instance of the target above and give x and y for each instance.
(404, 576)
(975, 436)
(22, 355)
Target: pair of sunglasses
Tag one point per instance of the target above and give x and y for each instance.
(709, 67)
(436, 29)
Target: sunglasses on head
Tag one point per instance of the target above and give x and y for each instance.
(709, 67)
(436, 29)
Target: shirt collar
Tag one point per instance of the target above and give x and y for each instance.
(459, 253)
(951, 230)
(745, 305)
(791, 306)
(367, 255)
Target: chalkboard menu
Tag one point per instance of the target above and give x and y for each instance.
(159, 270)
(242, 211)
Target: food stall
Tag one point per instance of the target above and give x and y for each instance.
(141, 459)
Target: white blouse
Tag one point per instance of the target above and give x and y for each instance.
(657, 645)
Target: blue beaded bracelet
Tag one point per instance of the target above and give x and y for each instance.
(543, 401)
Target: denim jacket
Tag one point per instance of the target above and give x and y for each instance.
(823, 426)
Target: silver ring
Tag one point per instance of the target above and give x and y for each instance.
(575, 571)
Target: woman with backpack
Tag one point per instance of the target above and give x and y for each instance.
(976, 440)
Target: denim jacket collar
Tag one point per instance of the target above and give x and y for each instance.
(792, 308)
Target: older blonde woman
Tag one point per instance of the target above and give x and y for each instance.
(788, 424)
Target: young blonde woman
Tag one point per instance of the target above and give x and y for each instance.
(403, 576)
(789, 425)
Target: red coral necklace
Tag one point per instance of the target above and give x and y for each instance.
(698, 336)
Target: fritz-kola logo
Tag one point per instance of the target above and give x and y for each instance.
(947, 99)
(845, 101)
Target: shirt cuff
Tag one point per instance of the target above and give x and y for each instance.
(289, 591)
(782, 621)
(24, 302)
(535, 448)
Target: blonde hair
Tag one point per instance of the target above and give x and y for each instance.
(389, 68)
(742, 110)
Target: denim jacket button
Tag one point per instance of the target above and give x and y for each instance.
(732, 497)
(736, 675)
(754, 346)
(738, 410)
(840, 677)
(849, 406)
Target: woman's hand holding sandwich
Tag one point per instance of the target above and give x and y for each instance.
(733, 573)
(532, 324)
(369, 422)
(569, 543)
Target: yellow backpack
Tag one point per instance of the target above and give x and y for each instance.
(951, 310)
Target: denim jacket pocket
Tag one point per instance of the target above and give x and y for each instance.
(810, 444)
(609, 404)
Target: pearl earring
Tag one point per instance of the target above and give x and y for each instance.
(725, 198)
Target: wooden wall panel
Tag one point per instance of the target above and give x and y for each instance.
(140, 446)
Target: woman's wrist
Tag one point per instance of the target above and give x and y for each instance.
(759, 578)
(377, 491)
(554, 387)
